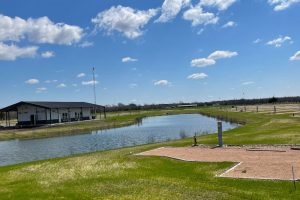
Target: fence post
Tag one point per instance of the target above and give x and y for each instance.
(220, 132)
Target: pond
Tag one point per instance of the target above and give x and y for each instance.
(149, 130)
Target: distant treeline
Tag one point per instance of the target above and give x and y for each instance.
(234, 102)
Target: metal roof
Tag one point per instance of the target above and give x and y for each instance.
(51, 105)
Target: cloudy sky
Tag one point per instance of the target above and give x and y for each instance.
(148, 51)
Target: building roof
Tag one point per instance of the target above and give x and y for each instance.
(51, 105)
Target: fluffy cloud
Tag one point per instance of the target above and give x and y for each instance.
(41, 90)
(171, 8)
(197, 76)
(202, 62)
(282, 4)
(258, 40)
(229, 24)
(40, 30)
(81, 75)
(197, 16)
(222, 54)
(32, 81)
(129, 59)
(211, 59)
(125, 20)
(12, 52)
(296, 56)
(89, 82)
(62, 85)
(48, 54)
(220, 4)
(279, 41)
(162, 82)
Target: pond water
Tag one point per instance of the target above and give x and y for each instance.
(149, 130)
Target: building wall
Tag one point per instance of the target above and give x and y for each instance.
(42, 116)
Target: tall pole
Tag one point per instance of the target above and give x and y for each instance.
(94, 86)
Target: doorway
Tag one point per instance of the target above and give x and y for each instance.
(32, 119)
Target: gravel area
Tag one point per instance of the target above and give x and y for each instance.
(253, 162)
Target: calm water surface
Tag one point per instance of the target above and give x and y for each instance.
(150, 130)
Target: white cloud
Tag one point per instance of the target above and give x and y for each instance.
(229, 24)
(32, 81)
(170, 9)
(62, 85)
(81, 75)
(48, 54)
(202, 62)
(125, 20)
(222, 54)
(258, 40)
(12, 52)
(74, 85)
(279, 41)
(296, 56)
(198, 16)
(162, 83)
(197, 76)
(200, 31)
(89, 82)
(211, 59)
(40, 30)
(220, 4)
(129, 59)
(248, 83)
(41, 90)
(86, 44)
(280, 5)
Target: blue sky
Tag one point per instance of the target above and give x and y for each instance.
(156, 51)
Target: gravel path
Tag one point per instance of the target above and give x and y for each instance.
(263, 162)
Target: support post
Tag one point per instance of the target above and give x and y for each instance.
(8, 118)
(293, 173)
(17, 117)
(81, 114)
(104, 112)
(50, 116)
(220, 132)
(100, 112)
(35, 117)
(58, 115)
(69, 116)
(46, 115)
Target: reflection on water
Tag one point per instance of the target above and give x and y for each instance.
(148, 130)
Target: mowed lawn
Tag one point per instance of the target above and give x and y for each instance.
(119, 174)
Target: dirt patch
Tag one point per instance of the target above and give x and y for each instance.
(255, 163)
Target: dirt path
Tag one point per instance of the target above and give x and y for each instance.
(255, 163)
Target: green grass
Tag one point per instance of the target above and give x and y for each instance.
(119, 174)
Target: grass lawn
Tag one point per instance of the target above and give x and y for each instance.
(118, 174)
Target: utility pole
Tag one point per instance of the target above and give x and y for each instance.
(94, 87)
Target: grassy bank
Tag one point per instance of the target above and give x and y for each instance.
(260, 128)
(119, 174)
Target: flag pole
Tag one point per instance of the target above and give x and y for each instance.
(95, 97)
